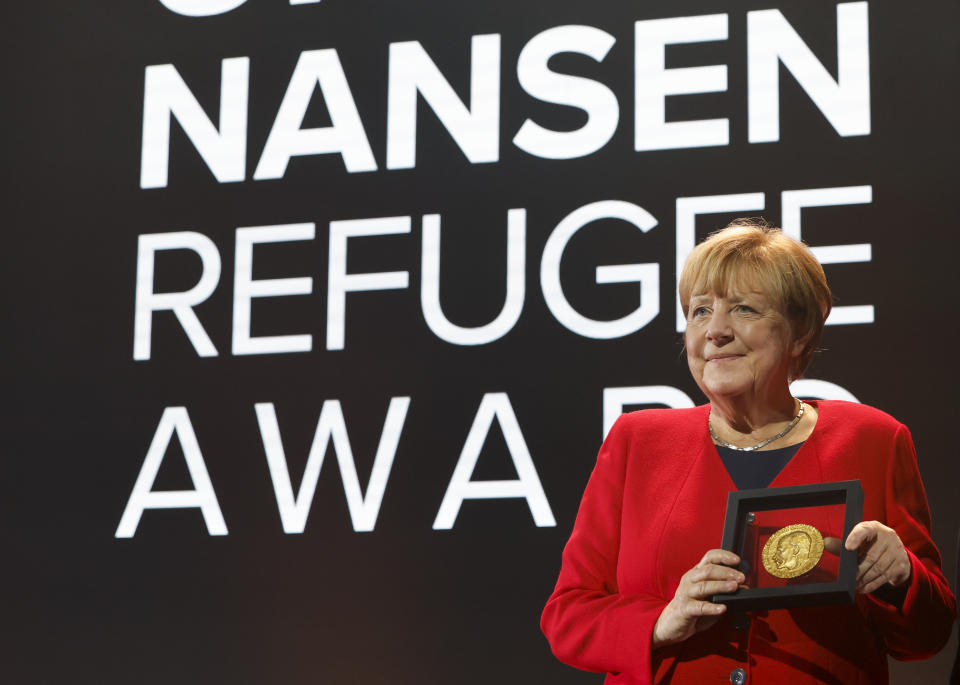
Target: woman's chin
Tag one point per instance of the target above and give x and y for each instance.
(719, 388)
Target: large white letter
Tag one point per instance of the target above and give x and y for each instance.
(364, 508)
(201, 8)
(647, 275)
(475, 130)
(340, 282)
(345, 134)
(430, 284)
(224, 150)
(245, 289)
(811, 388)
(615, 399)
(844, 102)
(494, 405)
(794, 200)
(148, 302)
(598, 101)
(206, 8)
(174, 420)
(687, 210)
(654, 82)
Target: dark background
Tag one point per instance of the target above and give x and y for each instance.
(403, 603)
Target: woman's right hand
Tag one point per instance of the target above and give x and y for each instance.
(690, 611)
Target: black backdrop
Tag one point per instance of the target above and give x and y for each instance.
(405, 602)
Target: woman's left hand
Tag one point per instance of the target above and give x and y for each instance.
(883, 558)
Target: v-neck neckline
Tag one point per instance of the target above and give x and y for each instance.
(806, 447)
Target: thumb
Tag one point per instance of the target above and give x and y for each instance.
(862, 532)
(832, 545)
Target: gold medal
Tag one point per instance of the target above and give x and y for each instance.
(792, 551)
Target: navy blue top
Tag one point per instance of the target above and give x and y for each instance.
(756, 469)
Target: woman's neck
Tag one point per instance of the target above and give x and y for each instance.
(748, 417)
(744, 423)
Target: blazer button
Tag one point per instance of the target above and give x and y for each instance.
(738, 676)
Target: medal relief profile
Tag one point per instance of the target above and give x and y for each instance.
(792, 551)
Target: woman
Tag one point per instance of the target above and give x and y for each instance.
(633, 597)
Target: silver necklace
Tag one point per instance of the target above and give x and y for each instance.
(717, 439)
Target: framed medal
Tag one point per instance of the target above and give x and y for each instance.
(790, 541)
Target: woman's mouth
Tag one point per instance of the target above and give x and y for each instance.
(723, 357)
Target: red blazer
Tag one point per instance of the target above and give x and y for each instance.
(655, 503)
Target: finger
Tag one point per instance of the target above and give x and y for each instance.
(875, 560)
(873, 576)
(832, 545)
(879, 575)
(719, 556)
(894, 568)
(709, 580)
(715, 572)
(694, 609)
(873, 586)
(896, 575)
(865, 568)
(862, 532)
(901, 571)
(709, 588)
(882, 565)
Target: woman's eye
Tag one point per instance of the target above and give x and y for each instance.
(699, 311)
(745, 309)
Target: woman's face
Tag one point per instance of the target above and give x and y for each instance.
(739, 344)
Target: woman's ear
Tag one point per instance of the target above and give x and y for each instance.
(797, 347)
(798, 344)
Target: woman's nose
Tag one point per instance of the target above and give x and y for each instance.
(719, 331)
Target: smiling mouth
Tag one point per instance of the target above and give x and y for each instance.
(723, 357)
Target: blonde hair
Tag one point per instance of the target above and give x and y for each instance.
(750, 252)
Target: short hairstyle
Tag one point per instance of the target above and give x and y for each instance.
(751, 253)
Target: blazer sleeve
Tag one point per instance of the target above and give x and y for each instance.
(588, 622)
(921, 625)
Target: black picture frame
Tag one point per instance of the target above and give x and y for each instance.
(740, 503)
